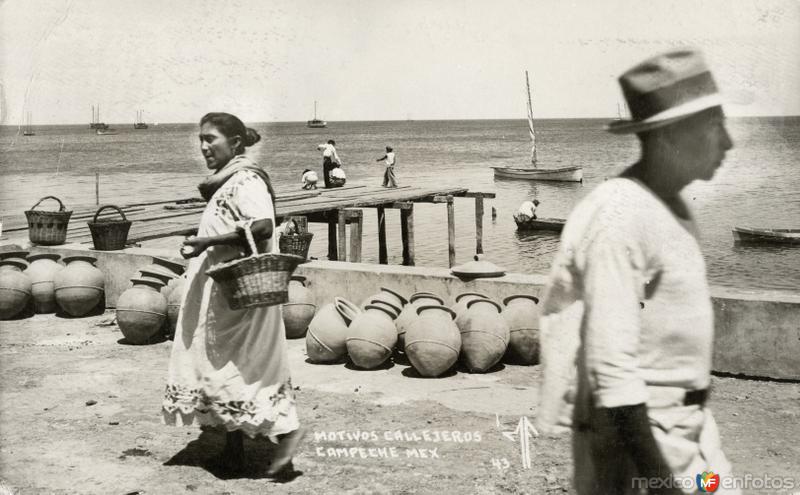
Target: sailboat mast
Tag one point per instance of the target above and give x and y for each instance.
(530, 120)
(315, 109)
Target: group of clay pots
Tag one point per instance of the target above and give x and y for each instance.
(39, 283)
(149, 309)
(432, 336)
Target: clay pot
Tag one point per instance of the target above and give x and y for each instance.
(173, 266)
(15, 288)
(174, 302)
(372, 336)
(484, 335)
(79, 287)
(296, 318)
(161, 275)
(19, 263)
(433, 341)
(13, 254)
(387, 295)
(409, 313)
(141, 311)
(460, 306)
(327, 332)
(298, 292)
(522, 315)
(42, 272)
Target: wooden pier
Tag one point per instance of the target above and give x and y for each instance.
(336, 207)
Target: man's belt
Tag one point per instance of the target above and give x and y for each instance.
(696, 397)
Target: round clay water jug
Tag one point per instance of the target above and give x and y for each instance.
(18, 264)
(14, 254)
(79, 287)
(460, 306)
(296, 318)
(372, 336)
(484, 335)
(174, 302)
(433, 341)
(388, 295)
(298, 292)
(42, 272)
(409, 313)
(15, 288)
(141, 311)
(327, 333)
(174, 266)
(522, 314)
(158, 276)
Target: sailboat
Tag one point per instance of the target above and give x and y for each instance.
(534, 172)
(28, 128)
(315, 122)
(139, 123)
(96, 124)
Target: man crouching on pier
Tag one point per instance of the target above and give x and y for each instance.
(628, 289)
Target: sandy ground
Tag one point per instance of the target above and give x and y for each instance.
(80, 414)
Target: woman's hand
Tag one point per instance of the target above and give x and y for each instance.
(194, 246)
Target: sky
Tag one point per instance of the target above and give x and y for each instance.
(377, 59)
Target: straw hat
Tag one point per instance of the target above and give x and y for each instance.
(664, 89)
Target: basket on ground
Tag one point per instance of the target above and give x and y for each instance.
(48, 228)
(109, 234)
(257, 280)
(296, 243)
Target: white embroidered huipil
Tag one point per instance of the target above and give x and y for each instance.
(230, 367)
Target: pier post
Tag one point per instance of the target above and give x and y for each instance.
(342, 227)
(333, 253)
(407, 233)
(451, 231)
(479, 224)
(383, 257)
(356, 227)
(97, 187)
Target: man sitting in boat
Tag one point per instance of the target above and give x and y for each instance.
(526, 211)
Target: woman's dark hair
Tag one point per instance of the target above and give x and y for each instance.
(230, 126)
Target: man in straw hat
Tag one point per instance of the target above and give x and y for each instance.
(629, 303)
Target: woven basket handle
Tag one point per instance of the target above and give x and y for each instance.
(250, 240)
(60, 204)
(104, 207)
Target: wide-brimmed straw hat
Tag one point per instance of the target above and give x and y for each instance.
(664, 89)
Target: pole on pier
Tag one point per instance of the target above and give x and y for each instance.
(407, 233)
(479, 225)
(451, 231)
(333, 254)
(342, 227)
(97, 187)
(383, 257)
(356, 227)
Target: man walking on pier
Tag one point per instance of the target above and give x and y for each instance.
(628, 288)
(329, 160)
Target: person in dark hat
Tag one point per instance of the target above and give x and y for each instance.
(628, 299)
(330, 160)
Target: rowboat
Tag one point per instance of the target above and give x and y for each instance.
(777, 236)
(534, 171)
(549, 224)
(568, 174)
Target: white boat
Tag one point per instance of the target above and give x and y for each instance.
(534, 171)
(566, 174)
(315, 122)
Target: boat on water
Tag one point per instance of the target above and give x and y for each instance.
(546, 224)
(315, 122)
(772, 236)
(96, 124)
(107, 131)
(139, 122)
(28, 131)
(534, 172)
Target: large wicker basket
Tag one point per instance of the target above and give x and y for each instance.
(296, 244)
(48, 228)
(258, 280)
(109, 234)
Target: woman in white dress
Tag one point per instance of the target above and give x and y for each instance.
(229, 368)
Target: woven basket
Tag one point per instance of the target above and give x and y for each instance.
(337, 182)
(258, 280)
(48, 228)
(296, 244)
(109, 234)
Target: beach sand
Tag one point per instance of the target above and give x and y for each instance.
(80, 413)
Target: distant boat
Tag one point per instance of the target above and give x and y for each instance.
(96, 124)
(548, 224)
(106, 132)
(533, 172)
(28, 127)
(315, 122)
(773, 236)
(139, 123)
